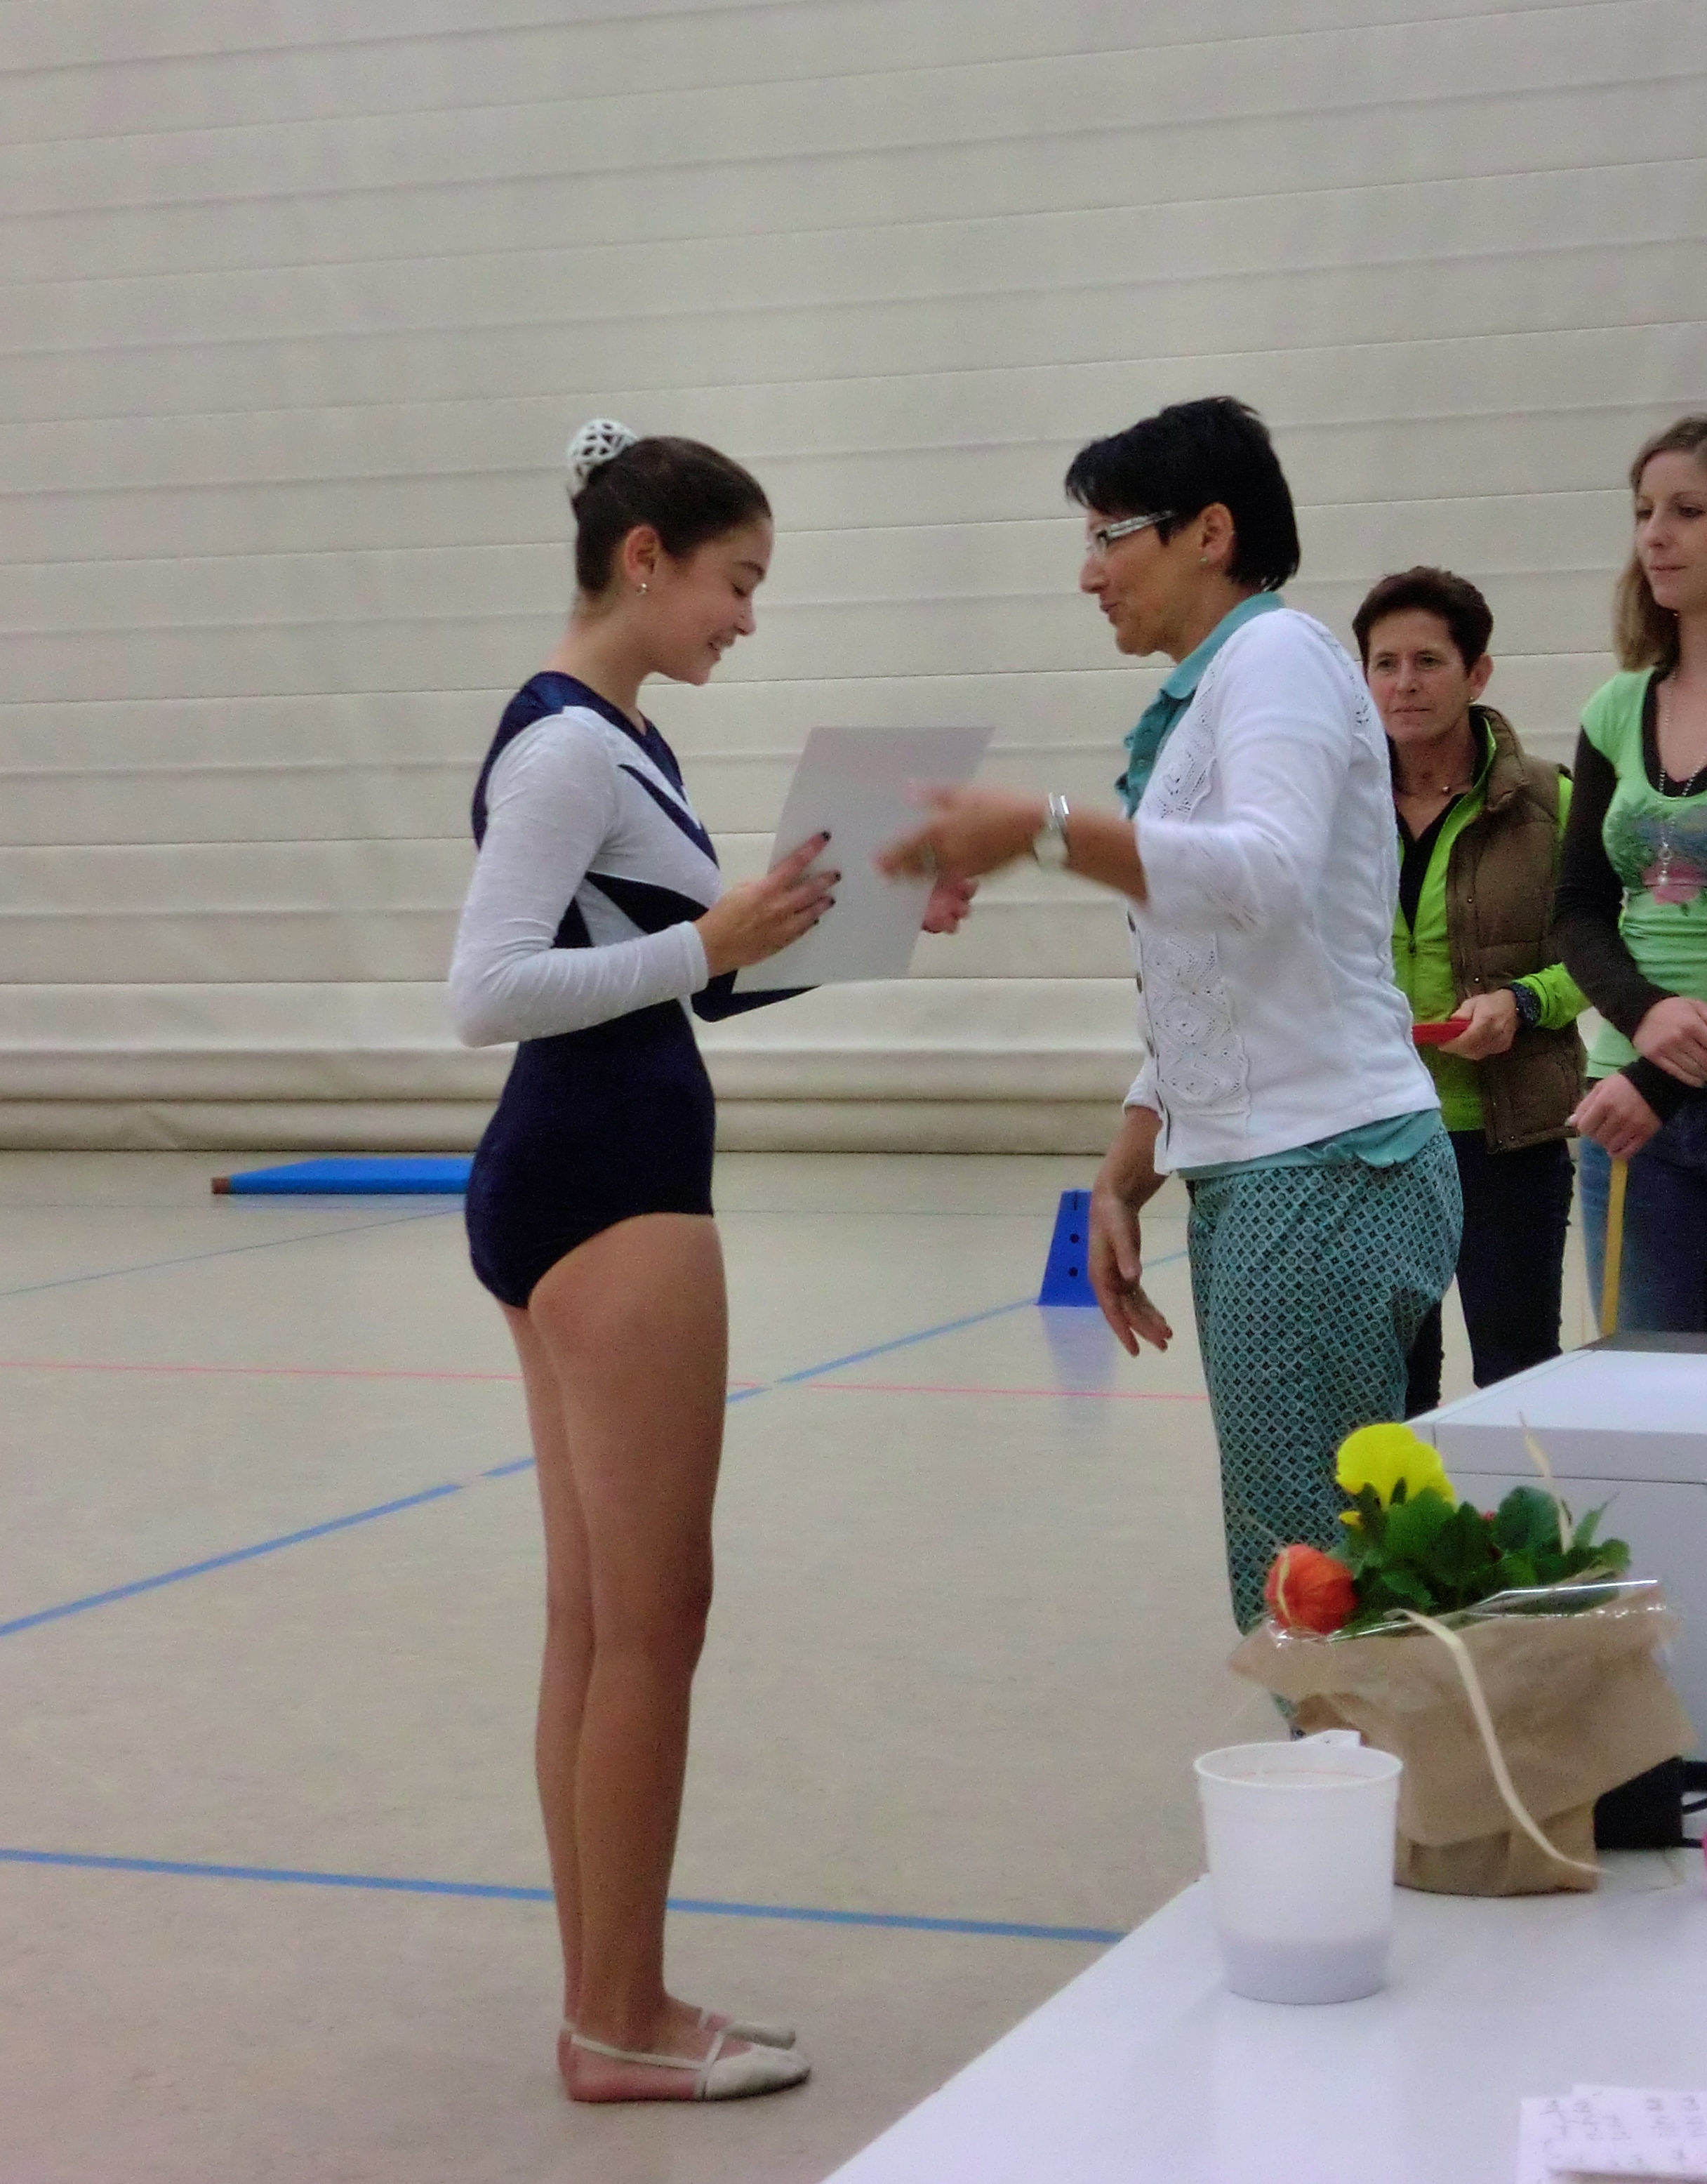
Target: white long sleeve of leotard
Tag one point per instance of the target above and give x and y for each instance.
(553, 799)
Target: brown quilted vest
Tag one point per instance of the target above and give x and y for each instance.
(1499, 884)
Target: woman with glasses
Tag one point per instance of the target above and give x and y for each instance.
(1260, 873)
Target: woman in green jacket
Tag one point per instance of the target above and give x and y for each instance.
(1480, 823)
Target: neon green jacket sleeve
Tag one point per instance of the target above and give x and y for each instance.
(1562, 1000)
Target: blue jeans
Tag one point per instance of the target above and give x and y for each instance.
(1510, 1265)
(1662, 1287)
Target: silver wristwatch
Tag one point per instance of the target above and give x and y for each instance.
(1049, 843)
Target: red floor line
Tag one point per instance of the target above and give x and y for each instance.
(1091, 1394)
(269, 1372)
(263, 1371)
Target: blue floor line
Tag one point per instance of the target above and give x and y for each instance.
(488, 1890)
(431, 1493)
(224, 1251)
(904, 1921)
(906, 1342)
(223, 1562)
(900, 1342)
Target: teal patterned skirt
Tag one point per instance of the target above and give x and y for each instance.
(1310, 1285)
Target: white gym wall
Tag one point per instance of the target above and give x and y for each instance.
(300, 303)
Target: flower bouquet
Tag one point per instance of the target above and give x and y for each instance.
(1504, 1655)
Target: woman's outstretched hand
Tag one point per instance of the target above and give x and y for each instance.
(950, 901)
(970, 831)
(757, 918)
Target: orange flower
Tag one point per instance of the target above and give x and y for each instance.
(1309, 1590)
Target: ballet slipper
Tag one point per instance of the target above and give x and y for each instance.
(717, 2076)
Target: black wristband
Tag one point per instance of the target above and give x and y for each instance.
(1528, 1005)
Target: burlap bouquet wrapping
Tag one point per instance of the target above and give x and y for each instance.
(1579, 1705)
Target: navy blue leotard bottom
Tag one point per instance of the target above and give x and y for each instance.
(593, 1127)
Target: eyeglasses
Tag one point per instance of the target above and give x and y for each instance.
(1100, 540)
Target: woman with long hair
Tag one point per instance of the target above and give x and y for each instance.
(596, 913)
(1631, 917)
(1259, 867)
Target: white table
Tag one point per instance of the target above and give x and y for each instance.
(1145, 2070)
(1624, 1422)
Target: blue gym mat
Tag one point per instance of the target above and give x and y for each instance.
(362, 1175)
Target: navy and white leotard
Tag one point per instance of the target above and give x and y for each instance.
(577, 940)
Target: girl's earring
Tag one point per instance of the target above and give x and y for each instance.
(642, 591)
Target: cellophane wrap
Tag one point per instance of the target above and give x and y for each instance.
(1579, 1700)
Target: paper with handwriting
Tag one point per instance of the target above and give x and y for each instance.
(1595, 2132)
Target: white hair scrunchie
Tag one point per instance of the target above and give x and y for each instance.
(598, 442)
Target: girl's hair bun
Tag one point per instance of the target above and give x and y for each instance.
(599, 441)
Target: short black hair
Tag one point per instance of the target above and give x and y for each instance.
(1185, 459)
(1454, 599)
(687, 493)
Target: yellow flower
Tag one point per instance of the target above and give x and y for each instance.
(1384, 1457)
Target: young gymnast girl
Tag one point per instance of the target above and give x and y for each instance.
(595, 913)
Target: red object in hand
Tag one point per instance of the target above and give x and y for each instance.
(1439, 1034)
(1309, 1590)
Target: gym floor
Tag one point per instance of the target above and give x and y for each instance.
(272, 1890)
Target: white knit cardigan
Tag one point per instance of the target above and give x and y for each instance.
(1263, 955)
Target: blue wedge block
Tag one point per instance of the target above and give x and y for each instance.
(1066, 1274)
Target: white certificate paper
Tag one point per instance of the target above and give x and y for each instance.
(855, 784)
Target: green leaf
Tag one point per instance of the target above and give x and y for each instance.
(1399, 1588)
(1513, 1572)
(1527, 1519)
(1413, 1527)
(1462, 1554)
(1589, 1526)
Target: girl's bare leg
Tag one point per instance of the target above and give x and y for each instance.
(568, 1657)
(633, 1327)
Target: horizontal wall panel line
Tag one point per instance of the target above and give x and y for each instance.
(1241, 260)
(995, 597)
(652, 109)
(556, 542)
(828, 233)
(334, 768)
(217, 699)
(1279, 420)
(1096, 361)
(410, 334)
(436, 27)
(569, 18)
(376, 193)
(573, 20)
(113, 569)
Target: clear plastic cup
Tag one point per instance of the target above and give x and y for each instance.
(1301, 1839)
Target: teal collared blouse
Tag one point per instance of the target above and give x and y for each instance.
(1144, 743)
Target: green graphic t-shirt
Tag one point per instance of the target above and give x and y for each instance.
(1657, 847)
